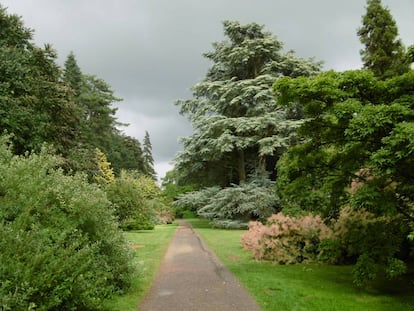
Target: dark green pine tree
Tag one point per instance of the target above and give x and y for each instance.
(147, 156)
(126, 154)
(384, 54)
(35, 106)
(94, 97)
(72, 74)
(133, 160)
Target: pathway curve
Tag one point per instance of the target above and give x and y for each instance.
(192, 278)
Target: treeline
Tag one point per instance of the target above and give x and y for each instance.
(70, 181)
(72, 111)
(323, 160)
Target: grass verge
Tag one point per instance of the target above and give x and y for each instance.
(307, 287)
(149, 247)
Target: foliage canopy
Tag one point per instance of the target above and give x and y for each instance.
(238, 128)
(383, 53)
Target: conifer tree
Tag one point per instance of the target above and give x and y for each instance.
(98, 124)
(384, 54)
(72, 74)
(43, 103)
(239, 130)
(35, 105)
(105, 174)
(147, 157)
(129, 152)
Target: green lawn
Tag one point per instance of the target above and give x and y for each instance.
(303, 287)
(149, 248)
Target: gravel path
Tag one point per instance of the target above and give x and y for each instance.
(192, 278)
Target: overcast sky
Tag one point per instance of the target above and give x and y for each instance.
(150, 51)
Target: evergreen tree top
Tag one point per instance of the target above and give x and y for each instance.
(148, 158)
(383, 53)
(72, 74)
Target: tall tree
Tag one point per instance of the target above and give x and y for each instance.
(358, 128)
(356, 157)
(383, 52)
(35, 106)
(97, 121)
(126, 154)
(98, 124)
(96, 99)
(13, 33)
(72, 74)
(238, 128)
(147, 157)
(40, 103)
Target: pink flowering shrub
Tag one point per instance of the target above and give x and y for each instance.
(286, 239)
(357, 237)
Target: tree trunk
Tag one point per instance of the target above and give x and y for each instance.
(242, 167)
(262, 166)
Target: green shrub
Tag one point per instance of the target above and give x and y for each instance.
(234, 206)
(132, 209)
(184, 213)
(179, 212)
(137, 223)
(195, 200)
(370, 241)
(60, 248)
(189, 214)
(229, 224)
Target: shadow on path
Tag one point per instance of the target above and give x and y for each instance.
(192, 278)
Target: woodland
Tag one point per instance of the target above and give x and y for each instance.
(70, 181)
(316, 166)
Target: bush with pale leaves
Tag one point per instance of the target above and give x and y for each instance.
(286, 239)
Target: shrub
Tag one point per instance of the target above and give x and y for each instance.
(182, 213)
(165, 216)
(179, 212)
(357, 237)
(163, 213)
(286, 239)
(370, 241)
(229, 223)
(130, 206)
(60, 247)
(146, 184)
(195, 200)
(234, 206)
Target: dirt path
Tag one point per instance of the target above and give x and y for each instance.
(192, 278)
